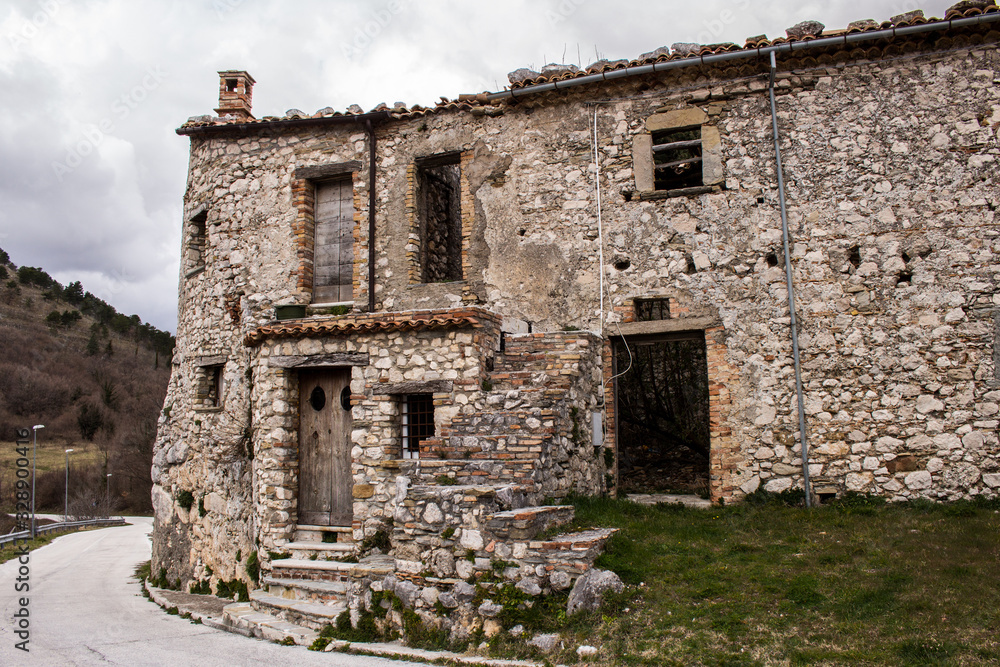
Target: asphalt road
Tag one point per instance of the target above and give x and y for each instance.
(85, 608)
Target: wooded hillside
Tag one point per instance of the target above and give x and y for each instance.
(94, 377)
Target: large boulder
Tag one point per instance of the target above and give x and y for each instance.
(588, 591)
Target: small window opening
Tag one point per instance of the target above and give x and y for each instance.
(439, 212)
(209, 391)
(691, 266)
(904, 278)
(677, 158)
(231, 85)
(826, 497)
(651, 310)
(418, 423)
(855, 256)
(197, 239)
(622, 264)
(771, 259)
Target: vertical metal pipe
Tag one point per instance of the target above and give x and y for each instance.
(371, 216)
(791, 291)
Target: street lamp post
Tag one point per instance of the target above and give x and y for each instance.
(34, 467)
(107, 494)
(66, 495)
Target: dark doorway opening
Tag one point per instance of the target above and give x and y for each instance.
(663, 413)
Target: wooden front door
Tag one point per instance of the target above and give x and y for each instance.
(325, 479)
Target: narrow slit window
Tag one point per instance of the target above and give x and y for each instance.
(197, 240)
(418, 423)
(677, 158)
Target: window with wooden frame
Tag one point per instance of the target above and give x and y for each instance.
(438, 198)
(333, 249)
(417, 422)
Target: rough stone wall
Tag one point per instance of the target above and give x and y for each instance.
(890, 171)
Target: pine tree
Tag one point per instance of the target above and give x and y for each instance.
(109, 351)
(92, 347)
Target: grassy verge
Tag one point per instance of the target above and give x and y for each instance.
(9, 551)
(862, 582)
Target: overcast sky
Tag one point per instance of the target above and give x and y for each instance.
(92, 174)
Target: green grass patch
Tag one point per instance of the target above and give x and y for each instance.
(859, 581)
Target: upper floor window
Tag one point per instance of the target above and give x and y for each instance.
(333, 248)
(209, 383)
(438, 202)
(679, 154)
(677, 158)
(197, 240)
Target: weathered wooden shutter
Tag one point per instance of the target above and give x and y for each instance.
(333, 255)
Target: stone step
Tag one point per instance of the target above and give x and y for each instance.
(245, 619)
(309, 533)
(299, 612)
(578, 546)
(321, 550)
(321, 570)
(527, 522)
(307, 589)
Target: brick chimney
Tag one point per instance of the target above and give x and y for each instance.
(235, 94)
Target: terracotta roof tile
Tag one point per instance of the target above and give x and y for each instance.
(478, 102)
(364, 323)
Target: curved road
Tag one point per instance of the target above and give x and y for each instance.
(86, 609)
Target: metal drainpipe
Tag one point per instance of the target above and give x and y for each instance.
(791, 291)
(371, 215)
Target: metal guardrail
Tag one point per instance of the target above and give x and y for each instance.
(64, 525)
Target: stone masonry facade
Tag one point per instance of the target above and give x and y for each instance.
(890, 151)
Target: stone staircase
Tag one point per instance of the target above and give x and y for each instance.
(468, 505)
(518, 423)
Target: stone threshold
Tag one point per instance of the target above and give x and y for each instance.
(681, 499)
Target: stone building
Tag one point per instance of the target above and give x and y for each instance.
(409, 327)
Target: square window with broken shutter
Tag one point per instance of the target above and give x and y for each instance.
(333, 252)
(677, 158)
